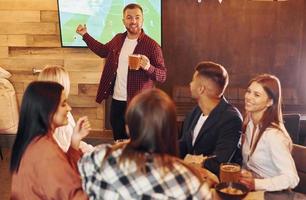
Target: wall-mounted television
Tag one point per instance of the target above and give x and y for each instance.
(103, 19)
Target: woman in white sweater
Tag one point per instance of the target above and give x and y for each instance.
(62, 134)
(266, 144)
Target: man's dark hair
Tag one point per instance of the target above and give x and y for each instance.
(132, 6)
(215, 72)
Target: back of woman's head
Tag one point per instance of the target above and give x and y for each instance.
(272, 87)
(151, 121)
(57, 74)
(39, 103)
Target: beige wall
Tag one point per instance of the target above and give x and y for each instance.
(29, 38)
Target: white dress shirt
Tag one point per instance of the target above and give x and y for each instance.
(271, 160)
(198, 127)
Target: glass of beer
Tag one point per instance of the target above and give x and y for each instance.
(229, 172)
(134, 61)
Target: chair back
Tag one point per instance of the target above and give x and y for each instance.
(299, 157)
(292, 124)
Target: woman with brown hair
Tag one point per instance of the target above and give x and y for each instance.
(266, 143)
(146, 166)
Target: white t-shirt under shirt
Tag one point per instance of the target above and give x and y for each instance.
(120, 89)
(198, 127)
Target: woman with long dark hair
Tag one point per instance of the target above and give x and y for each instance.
(62, 134)
(40, 169)
(266, 146)
(146, 166)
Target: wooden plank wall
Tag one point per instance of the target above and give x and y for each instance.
(29, 38)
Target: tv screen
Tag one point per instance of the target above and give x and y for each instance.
(103, 19)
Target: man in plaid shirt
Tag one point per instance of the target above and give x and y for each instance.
(119, 81)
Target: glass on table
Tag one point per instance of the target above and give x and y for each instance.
(229, 172)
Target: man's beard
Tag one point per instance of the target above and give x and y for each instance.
(133, 31)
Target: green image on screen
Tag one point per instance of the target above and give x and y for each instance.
(103, 19)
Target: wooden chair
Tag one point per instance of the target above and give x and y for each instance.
(299, 156)
(292, 124)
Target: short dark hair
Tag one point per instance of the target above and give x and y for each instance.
(39, 103)
(215, 72)
(132, 6)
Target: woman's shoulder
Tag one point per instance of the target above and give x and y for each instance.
(42, 147)
(276, 134)
(99, 153)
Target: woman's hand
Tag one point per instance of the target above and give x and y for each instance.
(81, 29)
(80, 131)
(247, 179)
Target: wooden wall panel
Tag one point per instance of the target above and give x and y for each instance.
(302, 60)
(19, 40)
(83, 64)
(26, 64)
(45, 41)
(82, 101)
(28, 28)
(19, 16)
(3, 40)
(48, 16)
(247, 37)
(28, 5)
(3, 52)
(88, 89)
(84, 77)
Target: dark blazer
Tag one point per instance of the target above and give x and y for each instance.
(218, 136)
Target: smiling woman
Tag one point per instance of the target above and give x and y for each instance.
(266, 145)
(44, 107)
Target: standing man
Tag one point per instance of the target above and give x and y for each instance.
(119, 81)
(213, 128)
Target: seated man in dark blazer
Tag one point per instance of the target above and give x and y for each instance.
(213, 127)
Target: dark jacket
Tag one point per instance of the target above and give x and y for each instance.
(218, 136)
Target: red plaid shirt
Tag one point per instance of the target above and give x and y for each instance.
(137, 80)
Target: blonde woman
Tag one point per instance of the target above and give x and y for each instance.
(62, 134)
